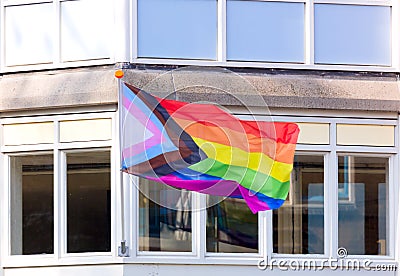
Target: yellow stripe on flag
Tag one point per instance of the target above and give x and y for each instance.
(256, 161)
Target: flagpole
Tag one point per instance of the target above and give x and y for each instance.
(123, 250)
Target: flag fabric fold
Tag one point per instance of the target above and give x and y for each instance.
(200, 147)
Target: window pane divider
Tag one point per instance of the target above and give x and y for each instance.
(332, 195)
(395, 34)
(393, 190)
(59, 195)
(221, 32)
(200, 239)
(330, 219)
(131, 214)
(268, 247)
(61, 213)
(134, 25)
(197, 226)
(309, 32)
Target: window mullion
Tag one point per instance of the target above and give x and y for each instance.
(56, 33)
(60, 203)
(332, 231)
(134, 38)
(268, 245)
(58, 195)
(221, 53)
(392, 178)
(331, 203)
(199, 230)
(309, 32)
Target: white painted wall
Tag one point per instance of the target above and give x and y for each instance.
(175, 270)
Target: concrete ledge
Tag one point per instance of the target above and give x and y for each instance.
(57, 89)
(279, 89)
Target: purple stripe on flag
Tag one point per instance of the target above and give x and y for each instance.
(212, 187)
(252, 200)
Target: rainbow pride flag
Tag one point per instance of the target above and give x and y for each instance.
(200, 147)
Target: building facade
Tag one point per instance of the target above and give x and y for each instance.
(332, 66)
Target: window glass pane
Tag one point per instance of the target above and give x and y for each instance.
(32, 219)
(231, 226)
(88, 202)
(28, 35)
(265, 31)
(177, 29)
(88, 39)
(299, 224)
(349, 34)
(165, 219)
(363, 205)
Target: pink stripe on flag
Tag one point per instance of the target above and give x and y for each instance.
(252, 201)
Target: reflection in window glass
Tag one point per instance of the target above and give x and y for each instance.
(177, 29)
(352, 34)
(165, 221)
(88, 202)
(265, 31)
(363, 205)
(32, 219)
(299, 224)
(231, 226)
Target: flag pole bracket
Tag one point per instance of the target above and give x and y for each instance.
(123, 250)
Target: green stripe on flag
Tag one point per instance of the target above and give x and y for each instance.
(248, 178)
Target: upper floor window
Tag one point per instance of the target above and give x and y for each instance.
(290, 34)
(350, 34)
(177, 29)
(299, 34)
(55, 33)
(265, 31)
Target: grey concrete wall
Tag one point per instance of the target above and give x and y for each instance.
(279, 89)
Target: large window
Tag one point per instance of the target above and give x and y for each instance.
(231, 226)
(59, 192)
(55, 33)
(363, 204)
(299, 223)
(290, 34)
(265, 31)
(177, 29)
(165, 222)
(350, 34)
(300, 34)
(338, 184)
(88, 202)
(60, 206)
(32, 211)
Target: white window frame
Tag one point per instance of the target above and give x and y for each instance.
(56, 61)
(59, 151)
(308, 40)
(331, 177)
(198, 254)
(329, 152)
